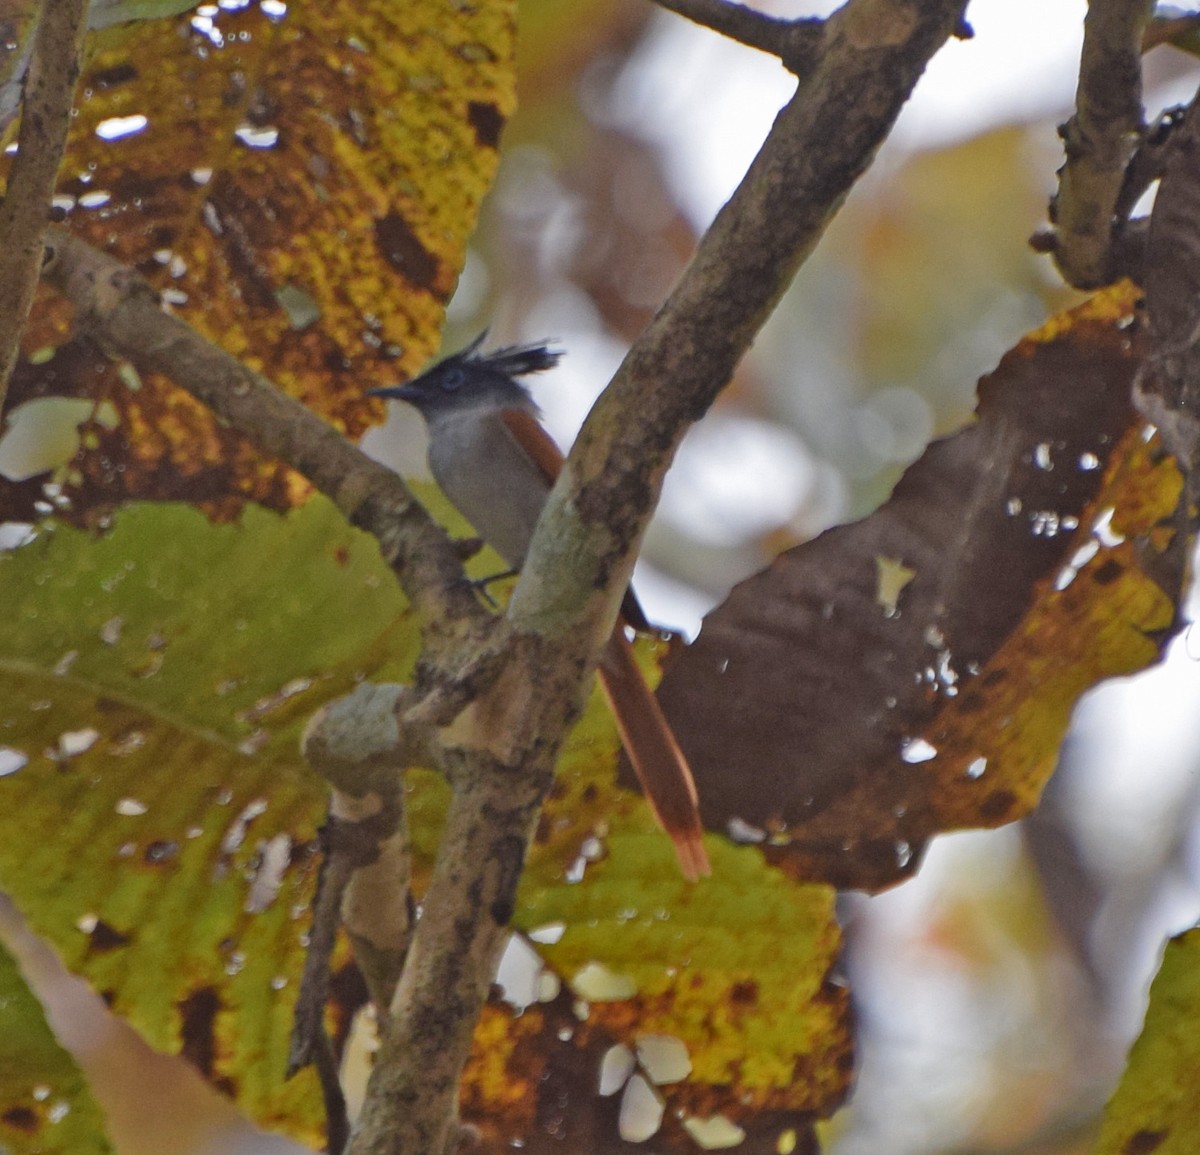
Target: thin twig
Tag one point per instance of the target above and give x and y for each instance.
(125, 314)
(49, 94)
(795, 42)
(1099, 140)
(310, 1043)
(1180, 31)
(360, 744)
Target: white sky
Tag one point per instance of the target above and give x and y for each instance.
(711, 101)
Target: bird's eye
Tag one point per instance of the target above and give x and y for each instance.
(453, 378)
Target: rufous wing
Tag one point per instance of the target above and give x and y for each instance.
(657, 759)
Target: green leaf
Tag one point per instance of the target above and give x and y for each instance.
(1157, 1106)
(643, 954)
(154, 683)
(705, 963)
(161, 823)
(237, 630)
(45, 1104)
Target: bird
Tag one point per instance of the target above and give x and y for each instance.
(493, 459)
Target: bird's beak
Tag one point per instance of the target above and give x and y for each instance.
(397, 392)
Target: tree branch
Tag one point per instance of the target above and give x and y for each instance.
(412, 1097)
(580, 560)
(123, 312)
(360, 744)
(49, 94)
(500, 756)
(499, 752)
(795, 42)
(1100, 140)
(1168, 392)
(821, 142)
(452, 959)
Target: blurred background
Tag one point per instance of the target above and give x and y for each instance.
(998, 991)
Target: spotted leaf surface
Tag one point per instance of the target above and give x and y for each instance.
(732, 979)
(162, 836)
(299, 180)
(160, 826)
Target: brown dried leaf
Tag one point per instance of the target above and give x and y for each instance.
(914, 672)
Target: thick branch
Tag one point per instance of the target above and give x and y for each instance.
(583, 550)
(455, 949)
(412, 1098)
(1099, 140)
(124, 313)
(49, 94)
(821, 142)
(795, 42)
(500, 757)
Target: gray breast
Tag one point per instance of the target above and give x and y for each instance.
(489, 478)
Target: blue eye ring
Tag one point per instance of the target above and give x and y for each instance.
(452, 378)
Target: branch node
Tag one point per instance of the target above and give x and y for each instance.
(1099, 142)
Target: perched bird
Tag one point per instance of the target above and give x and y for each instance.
(491, 457)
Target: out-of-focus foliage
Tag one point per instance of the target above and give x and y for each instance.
(562, 39)
(908, 299)
(976, 1032)
(45, 1106)
(871, 352)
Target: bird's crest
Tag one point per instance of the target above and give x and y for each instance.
(512, 360)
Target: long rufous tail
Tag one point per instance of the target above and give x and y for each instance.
(657, 759)
(660, 765)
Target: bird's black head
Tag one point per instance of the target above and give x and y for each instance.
(470, 379)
